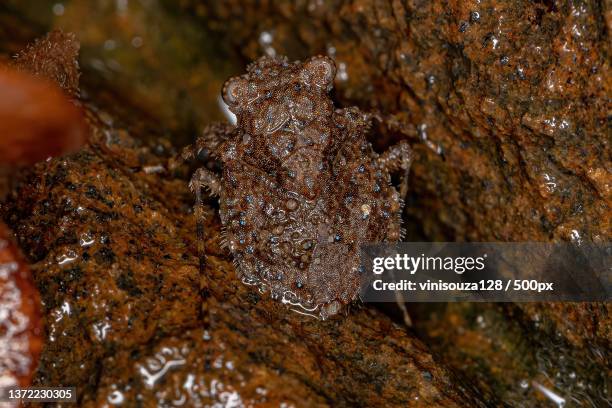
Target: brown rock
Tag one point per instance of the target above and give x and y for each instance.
(20, 326)
(114, 252)
(36, 121)
(510, 352)
(505, 101)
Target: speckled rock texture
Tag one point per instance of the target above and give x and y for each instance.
(508, 101)
(111, 237)
(506, 106)
(518, 352)
(112, 243)
(21, 334)
(37, 120)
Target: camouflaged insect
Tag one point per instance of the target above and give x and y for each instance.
(301, 188)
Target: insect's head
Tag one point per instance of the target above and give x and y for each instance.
(276, 95)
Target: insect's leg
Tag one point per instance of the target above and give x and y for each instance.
(203, 178)
(188, 154)
(209, 141)
(397, 123)
(401, 303)
(398, 158)
(213, 137)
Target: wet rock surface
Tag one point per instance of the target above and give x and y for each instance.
(505, 104)
(113, 246)
(111, 237)
(507, 101)
(521, 356)
(37, 120)
(20, 325)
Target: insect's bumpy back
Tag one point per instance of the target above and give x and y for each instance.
(302, 188)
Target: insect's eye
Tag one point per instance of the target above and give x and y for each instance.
(297, 86)
(234, 90)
